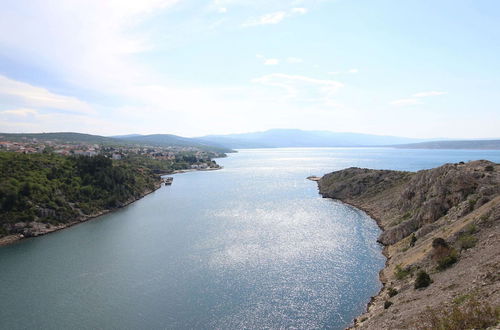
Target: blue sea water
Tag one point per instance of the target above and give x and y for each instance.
(249, 246)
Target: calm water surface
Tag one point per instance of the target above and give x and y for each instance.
(249, 246)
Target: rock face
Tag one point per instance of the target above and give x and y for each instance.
(456, 207)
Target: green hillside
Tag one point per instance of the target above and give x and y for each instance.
(52, 189)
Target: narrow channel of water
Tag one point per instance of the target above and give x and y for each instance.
(249, 246)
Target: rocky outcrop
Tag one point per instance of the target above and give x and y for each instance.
(444, 221)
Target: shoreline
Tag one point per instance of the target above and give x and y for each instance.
(399, 203)
(11, 239)
(15, 238)
(385, 253)
(194, 170)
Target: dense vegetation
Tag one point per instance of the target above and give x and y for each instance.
(52, 189)
(183, 160)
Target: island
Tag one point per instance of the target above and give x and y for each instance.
(441, 236)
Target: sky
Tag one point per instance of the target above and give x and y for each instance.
(414, 68)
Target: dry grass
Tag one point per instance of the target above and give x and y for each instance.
(470, 314)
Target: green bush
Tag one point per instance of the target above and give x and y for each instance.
(447, 261)
(401, 273)
(439, 242)
(413, 240)
(471, 229)
(423, 280)
(466, 241)
(387, 304)
(392, 292)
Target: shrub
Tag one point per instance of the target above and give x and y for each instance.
(466, 241)
(440, 249)
(413, 239)
(387, 304)
(401, 273)
(489, 168)
(423, 280)
(461, 299)
(439, 242)
(392, 292)
(471, 229)
(447, 261)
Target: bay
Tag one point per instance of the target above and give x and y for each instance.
(250, 246)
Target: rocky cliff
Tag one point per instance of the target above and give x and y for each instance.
(441, 232)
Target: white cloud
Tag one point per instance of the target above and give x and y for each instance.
(294, 60)
(405, 102)
(274, 18)
(54, 122)
(300, 11)
(267, 61)
(275, 61)
(415, 99)
(350, 71)
(302, 88)
(23, 94)
(22, 112)
(85, 42)
(426, 94)
(271, 61)
(222, 10)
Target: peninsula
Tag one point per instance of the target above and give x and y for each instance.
(441, 232)
(51, 181)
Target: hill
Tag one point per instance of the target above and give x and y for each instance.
(40, 193)
(62, 137)
(464, 144)
(283, 138)
(441, 231)
(163, 140)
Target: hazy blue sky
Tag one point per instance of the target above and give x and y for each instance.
(417, 68)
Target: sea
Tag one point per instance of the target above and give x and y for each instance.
(250, 246)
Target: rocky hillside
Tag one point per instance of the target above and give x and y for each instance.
(441, 232)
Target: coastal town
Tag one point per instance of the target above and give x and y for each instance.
(194, 157)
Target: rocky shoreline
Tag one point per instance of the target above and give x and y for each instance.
(196, 170)
(456, 205)
(42, 229)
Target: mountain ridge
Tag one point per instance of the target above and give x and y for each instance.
(283, 138)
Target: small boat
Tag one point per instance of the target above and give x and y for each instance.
(168, 180)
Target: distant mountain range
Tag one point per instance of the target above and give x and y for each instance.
(172, 140)
(283, 138)
(464, 144)
(275, 138)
